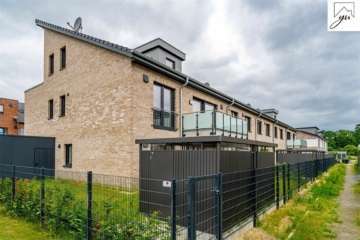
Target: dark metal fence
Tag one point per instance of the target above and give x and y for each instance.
(85, 205)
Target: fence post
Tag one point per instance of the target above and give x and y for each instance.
(298, 177)
(284, 183)
(89, 206)
(173, 209)
(218, 206)
(255, 199)
(277, 187)
(13, 181)
(288, 182)
(42, 197)
(191, 209)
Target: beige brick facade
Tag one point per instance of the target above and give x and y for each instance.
(108, 106)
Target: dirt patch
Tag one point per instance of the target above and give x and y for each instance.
(349, 205)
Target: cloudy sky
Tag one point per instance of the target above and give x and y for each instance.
(265, 52)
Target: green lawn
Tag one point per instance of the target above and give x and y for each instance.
(309, 215)
(15, 228)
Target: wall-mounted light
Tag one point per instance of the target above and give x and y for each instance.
(145, 78)
(190, 102)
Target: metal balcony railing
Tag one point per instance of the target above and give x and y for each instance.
(213, 123)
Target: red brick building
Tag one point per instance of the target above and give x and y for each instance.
(11, 117)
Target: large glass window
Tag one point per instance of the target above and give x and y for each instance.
(164, 107)
(267, 129)
(248, 119)
(259, 127)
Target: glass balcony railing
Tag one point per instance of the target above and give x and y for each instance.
(213, 123)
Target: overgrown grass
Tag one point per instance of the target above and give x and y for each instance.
(309, 215)
(116, 213)
(15, 228)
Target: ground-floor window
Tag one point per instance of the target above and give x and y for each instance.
(68, 155)
(2, 131)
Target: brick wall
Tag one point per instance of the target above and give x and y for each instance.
(7, 120)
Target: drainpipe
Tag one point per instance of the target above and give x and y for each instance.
(181, 105)
(256, 125)
(229, 105)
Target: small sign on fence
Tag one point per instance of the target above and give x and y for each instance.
(166, 184)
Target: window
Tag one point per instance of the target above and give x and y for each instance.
(288, 135)
(68, 155)
(259, 127)
(275, 132)
(51, 64)
(281, 134)
(62, 106)
(51, 108)
(199, 105)
(62, 58)
(234, 114)
(294, 136)
(1, 108)
(170, 63)
(267, 129)
(248, 119)
(2, 131)
(164, 107)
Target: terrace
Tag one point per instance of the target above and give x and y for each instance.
(214, 123)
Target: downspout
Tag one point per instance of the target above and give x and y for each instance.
(229, 105)
(181, 105)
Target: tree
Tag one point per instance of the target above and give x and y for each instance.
(351, 150)
(357, 134)
(344, 137)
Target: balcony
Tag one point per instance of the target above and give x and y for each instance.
(213, 123)
(296, 144)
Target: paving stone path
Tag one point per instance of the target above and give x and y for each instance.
(349, 203)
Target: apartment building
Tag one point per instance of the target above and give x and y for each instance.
(309, 138)
(11, 117)
(98, 97)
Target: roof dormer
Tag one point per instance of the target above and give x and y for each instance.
(164, 53)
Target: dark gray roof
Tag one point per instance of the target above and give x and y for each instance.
(158, 42)
(157, 66)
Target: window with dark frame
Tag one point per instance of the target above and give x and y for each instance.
(2, 131)
(164, 107)
(170, 63)
(62, 105)
(275, 132)
(288, 135)
(68, 155)
(281, 134)
(62, 58)
(259, 127)
(51, 64)
(248, 123)
(199, 105)
(1, 108)
(234, 114)
(51, 108)
(294, 136)
(267, 129)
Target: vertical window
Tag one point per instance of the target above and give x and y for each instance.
(2, 131)
(275, 132)
(51, 64)
(288, 135)
(68, 155)
(234, 114)
(62, 58)
(259, 127)
(281, 134)
(164, 107)
(267, 129)
(1, 108)
(294, 136)
(51, 109)
(170, 63)
(62, 106)
(248, 119)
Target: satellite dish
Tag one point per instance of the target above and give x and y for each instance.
(77, 25)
